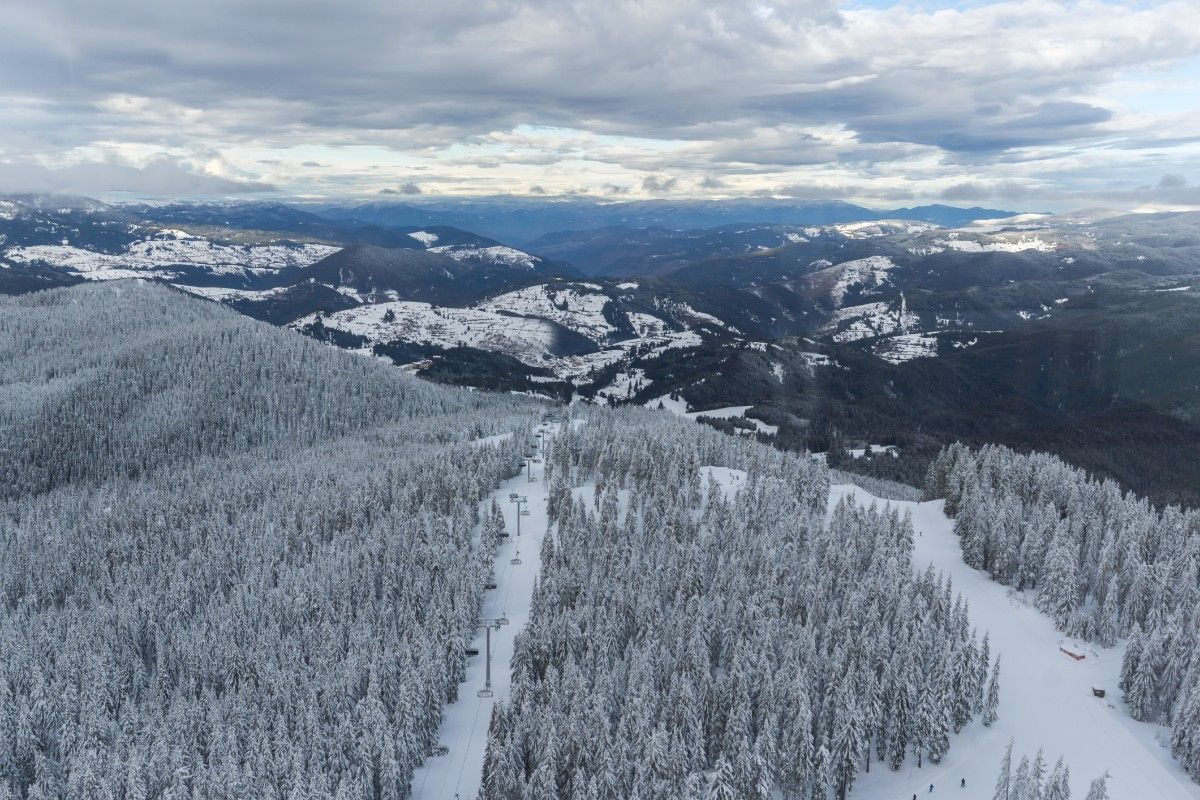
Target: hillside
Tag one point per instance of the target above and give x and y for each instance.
(229, 538)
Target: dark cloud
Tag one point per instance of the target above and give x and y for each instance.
(658, 184)
(712, 182)
(1171, 181)
(404, 188)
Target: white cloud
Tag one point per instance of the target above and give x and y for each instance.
(733, 96)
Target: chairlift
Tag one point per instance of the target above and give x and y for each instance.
(489, 586)
(439, 750)
(472, 651)
(515, 560)
(524, 512)
(503, 618)
(513, 496)
(1097, 692)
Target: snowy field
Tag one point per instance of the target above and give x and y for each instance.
(1045, 696)
(458, 773)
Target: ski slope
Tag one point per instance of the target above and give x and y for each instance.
(458, 773)
(1045, 696)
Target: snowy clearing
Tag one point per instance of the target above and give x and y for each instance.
(1045, 696)
(169, 249)
(464, 729)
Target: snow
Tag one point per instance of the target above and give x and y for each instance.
(489, 441)
(154, 257)
(1175, 289)
(734, 412)
(498, 325)
(677, 407)
(465, 723)
(497, 254)
(863, 273)
(1017, 221)
(424, 237)
(1045, 696)
(625, 385)
(777, 371)
(646, 324)
(813, 360)
(576, 308)
(890, 449)
(906, 347)
(729, 479)
(524, 338)
(997, 244)
(220, 294)
(627, 285)
(885, 227)
(869, 320)
(678, 309)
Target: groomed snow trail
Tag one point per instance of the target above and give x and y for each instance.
(1045, 696)
(458, 774)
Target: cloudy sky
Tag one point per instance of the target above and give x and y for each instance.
(1025, 104)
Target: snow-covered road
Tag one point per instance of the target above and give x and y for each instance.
(464, 729)
(1045, 696)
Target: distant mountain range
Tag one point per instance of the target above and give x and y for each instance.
(1077, 333)
(524, 220)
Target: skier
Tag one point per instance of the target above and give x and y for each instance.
(963, 785)
(931, 788)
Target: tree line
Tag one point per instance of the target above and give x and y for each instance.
(686, 642)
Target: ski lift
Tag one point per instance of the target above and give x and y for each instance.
(503, 618)
(489, 585)
(524, 512)
(512, 496)
(1097, 692)
(472, 651)
(439, 750)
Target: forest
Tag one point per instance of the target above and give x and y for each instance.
(1103, 563)
(233, 563)
(686, 641)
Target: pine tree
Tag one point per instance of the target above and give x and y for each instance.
(1098, 789)
(1003, 789)
(991, 703)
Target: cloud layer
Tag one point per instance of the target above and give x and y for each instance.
(628, 98)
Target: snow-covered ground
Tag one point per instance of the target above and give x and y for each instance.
(865, 274)
(868, 320)
(1045, 696)
(682, 409)
(906, 347)
(458, 773)
(167, 249)
(998, 244)
(497, 254)
(527, 338)
(580, 310)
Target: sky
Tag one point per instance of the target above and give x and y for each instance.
(1026, 104)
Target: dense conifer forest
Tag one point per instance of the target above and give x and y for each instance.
(689, 643)
(233, 563)
(1103, 563)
